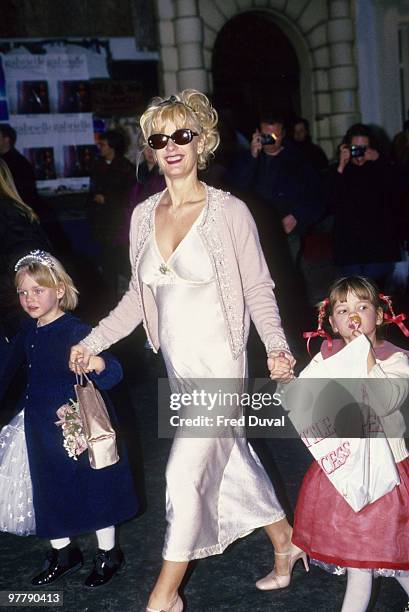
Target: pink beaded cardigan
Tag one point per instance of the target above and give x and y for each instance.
(243, 280)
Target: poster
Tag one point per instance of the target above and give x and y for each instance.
(49, 105)
(46, 83)
(59, 146)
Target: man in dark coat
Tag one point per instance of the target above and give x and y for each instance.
(276, 172)
(112, 178)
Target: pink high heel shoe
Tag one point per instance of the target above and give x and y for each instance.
(175, 606)
(278, 581)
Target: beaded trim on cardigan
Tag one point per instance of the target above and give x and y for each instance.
(277, 344)
(210, 235)
(94, 343)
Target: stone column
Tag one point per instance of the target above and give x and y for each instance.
(168, 50)
(189, 40)
(343, 83)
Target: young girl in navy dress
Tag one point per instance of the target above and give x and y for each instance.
(375, 540)
(68, 496)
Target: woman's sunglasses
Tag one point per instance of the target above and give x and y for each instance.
(179, 137)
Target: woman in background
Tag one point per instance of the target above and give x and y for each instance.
(20, 232)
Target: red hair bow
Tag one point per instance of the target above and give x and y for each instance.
(398, 320)
(392, 317)
(319, 333)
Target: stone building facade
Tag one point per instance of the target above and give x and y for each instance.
(353, 55)
(321, 31)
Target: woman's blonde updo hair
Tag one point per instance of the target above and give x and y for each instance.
(186, 109)
(51, 275)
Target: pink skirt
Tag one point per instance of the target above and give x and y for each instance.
(328, 530)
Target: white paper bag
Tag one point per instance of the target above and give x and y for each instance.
(361, 469)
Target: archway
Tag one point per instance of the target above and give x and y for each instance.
(255, 70)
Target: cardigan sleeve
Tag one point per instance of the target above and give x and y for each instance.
(127, 315)
(258, 286)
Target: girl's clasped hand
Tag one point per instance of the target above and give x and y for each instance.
(281, 366)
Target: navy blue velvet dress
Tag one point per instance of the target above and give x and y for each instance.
(69, 496)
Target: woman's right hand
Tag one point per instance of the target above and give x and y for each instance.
(344, 157)
(79, 358)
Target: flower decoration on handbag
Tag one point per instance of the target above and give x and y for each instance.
(72, 429)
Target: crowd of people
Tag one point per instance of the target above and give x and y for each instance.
(198, 277)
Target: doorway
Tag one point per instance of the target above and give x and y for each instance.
(255, 71)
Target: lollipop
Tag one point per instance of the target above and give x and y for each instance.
(354, 322)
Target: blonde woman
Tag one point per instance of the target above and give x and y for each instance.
(20, 231)
(198, 275)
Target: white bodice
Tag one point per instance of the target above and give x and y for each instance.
(192, 330)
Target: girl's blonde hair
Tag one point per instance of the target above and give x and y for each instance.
(8, 188)
(51, 276)
(187, 109)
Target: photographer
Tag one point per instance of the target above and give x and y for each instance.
(365, 203)
(274, 170)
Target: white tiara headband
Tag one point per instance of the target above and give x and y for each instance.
(37, 256)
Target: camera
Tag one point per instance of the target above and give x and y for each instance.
(358, 150)
(268, 139)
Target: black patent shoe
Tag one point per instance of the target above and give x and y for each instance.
(59, 563)
(106, 564)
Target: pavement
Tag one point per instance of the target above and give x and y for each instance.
(217, 584)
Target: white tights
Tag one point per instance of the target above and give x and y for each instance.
(105, 537)
(359, 587)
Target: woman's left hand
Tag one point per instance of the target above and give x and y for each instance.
(281, 365)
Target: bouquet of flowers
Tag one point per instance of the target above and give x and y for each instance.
(72, 429)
